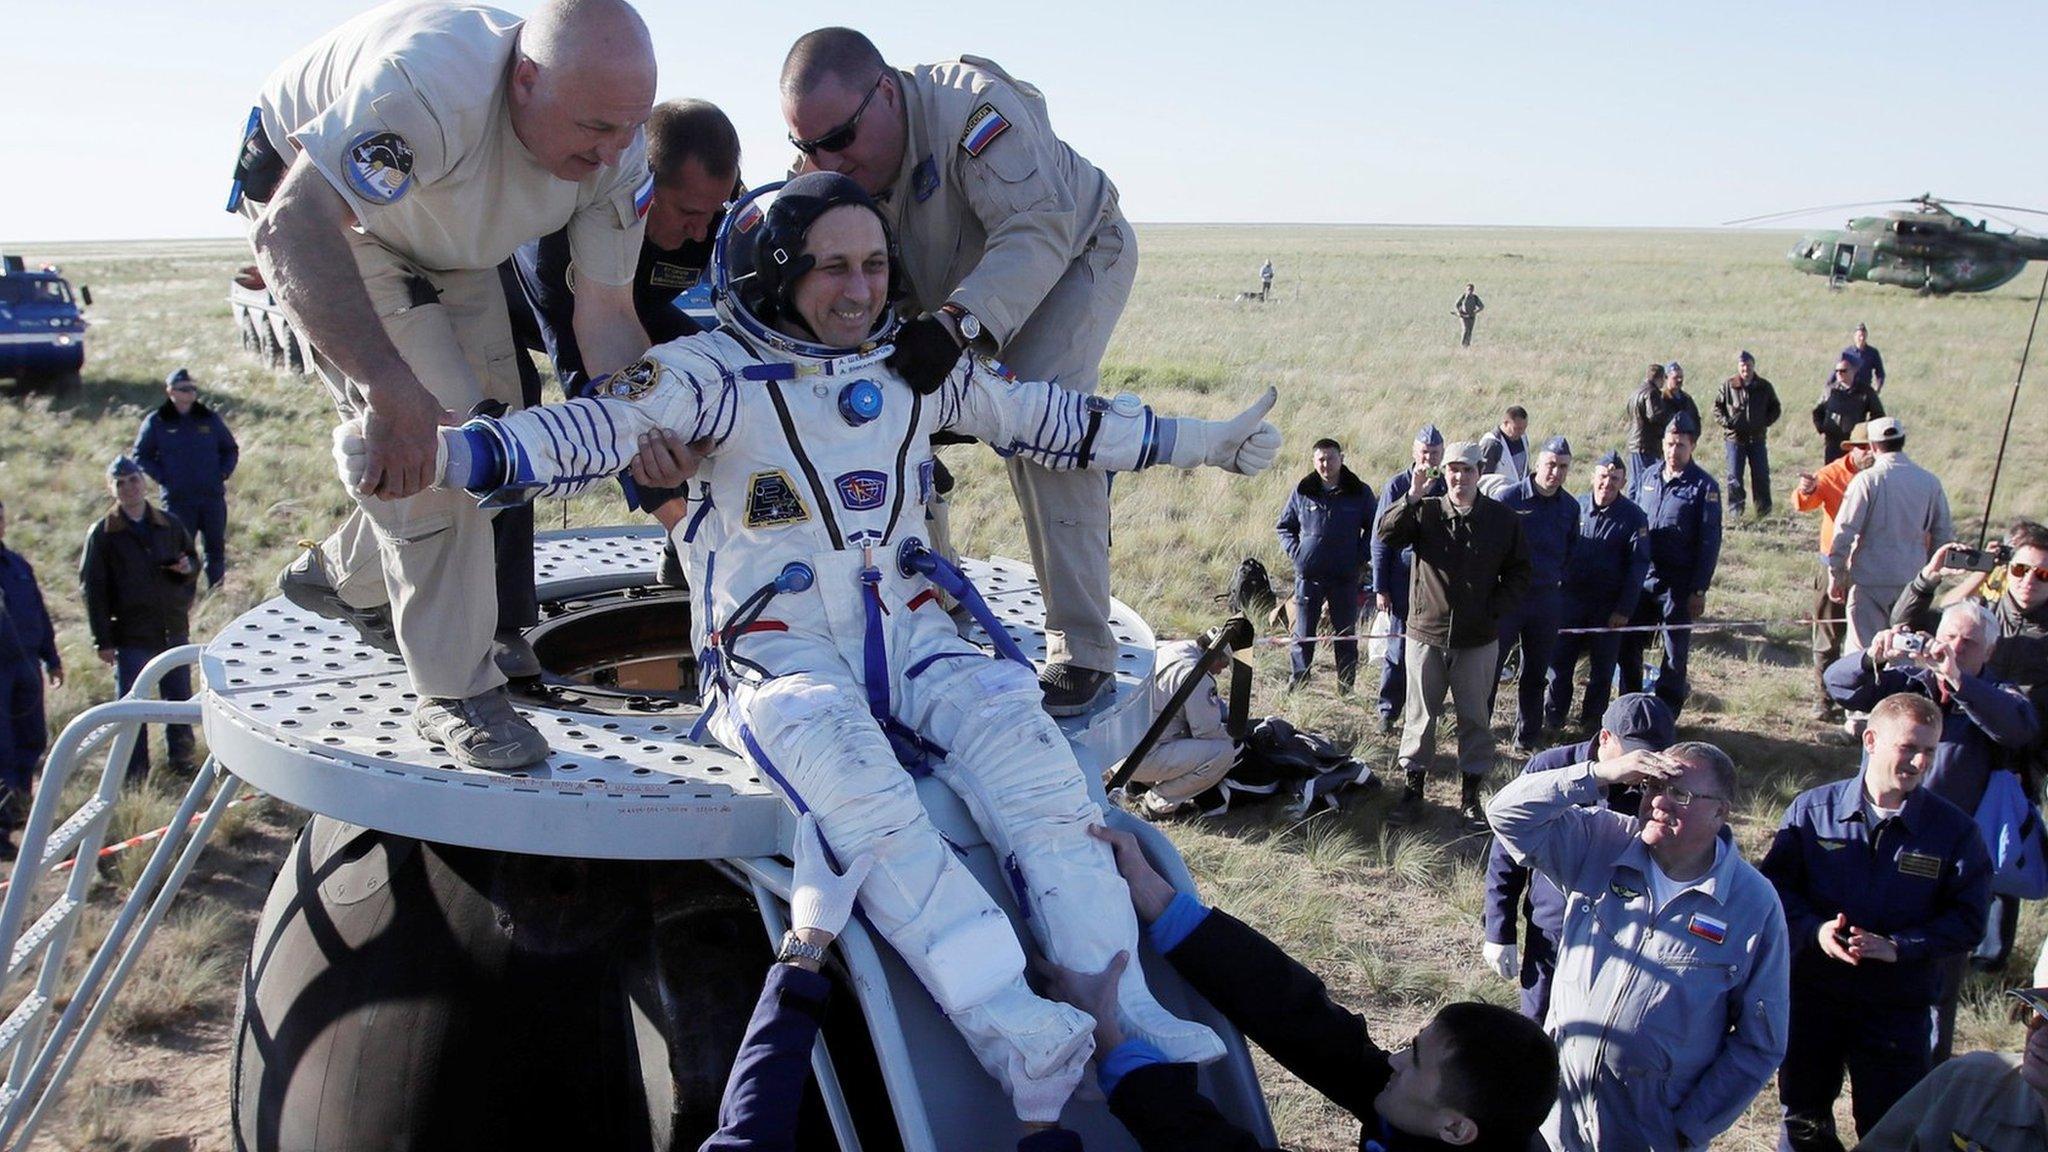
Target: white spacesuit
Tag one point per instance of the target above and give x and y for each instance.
(833, 668)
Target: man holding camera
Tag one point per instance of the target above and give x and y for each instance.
(1881, 880)
(1390, 571)
(138, 575)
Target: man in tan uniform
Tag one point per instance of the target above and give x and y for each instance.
(389, 168)
(1011, 244)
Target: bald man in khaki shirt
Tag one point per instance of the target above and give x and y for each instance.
(389, 168)
(1012, 244)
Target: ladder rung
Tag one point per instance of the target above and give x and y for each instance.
(25, 948)
(11, 1028)
(68, 833)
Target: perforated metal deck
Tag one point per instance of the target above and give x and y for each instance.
(297, 706)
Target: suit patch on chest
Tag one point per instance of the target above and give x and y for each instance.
(1920, 864)
(862, 491)
(1828, 845)
(1707, 928)
(924, 179)
(666, 275)
(772, 500)
(1624, 891)
(927, 479)
(982, 129)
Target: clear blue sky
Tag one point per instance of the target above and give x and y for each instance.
(119, 118)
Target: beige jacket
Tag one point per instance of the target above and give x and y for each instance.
(990, 207)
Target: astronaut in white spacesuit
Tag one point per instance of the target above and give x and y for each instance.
(830, 664)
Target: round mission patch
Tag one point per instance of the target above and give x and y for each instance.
(379, 166)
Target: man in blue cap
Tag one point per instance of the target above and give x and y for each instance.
(187, 449)
(1513, 892)
(1603, 581)
(137, 576)
(1390, 572)
(1684, 507)
(1550, 527)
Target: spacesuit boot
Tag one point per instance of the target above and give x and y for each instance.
(1080, 912)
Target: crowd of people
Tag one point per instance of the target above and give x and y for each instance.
(427, 186)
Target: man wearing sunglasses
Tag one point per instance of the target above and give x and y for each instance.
(1670, 998)
(1842, 406)
(1011, 244)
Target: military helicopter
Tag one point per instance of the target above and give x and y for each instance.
(1927, 248)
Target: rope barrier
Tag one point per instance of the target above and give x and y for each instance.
(1695, 626)
(66, 864)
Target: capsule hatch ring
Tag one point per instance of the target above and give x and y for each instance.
(623, 650)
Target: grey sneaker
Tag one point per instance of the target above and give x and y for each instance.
(1071, 690)
(514, 656)
(483, 731)
(305, 582)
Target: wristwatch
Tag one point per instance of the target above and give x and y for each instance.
(963, 320)
(795, 949)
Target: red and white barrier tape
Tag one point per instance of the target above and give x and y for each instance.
(66, 864)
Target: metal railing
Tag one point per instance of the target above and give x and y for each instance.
(40, 1054)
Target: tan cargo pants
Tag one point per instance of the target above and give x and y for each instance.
(429, 555)
(1066, 514)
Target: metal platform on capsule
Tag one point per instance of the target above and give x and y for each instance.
(296, 706)
(304, 711)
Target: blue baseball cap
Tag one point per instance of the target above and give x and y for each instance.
(1745, 357)
(1674, 366)
(1611, 460)
(1640, 720)
(182, 380)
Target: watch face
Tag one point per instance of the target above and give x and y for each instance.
(970, 327)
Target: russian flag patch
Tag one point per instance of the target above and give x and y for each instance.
(1707, 928)
(982, 129)
(644, 198)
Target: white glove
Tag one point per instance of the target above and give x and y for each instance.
(352, 453)
(1246, 443)
(820, 898)
(1504, 959)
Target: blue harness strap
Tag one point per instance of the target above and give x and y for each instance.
(913, 751)
(955, 583)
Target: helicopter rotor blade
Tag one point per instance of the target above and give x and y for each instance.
(2000, 207)
(1809, 211)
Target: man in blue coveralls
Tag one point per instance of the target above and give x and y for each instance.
(1514, 892)
(1326, 529)
(1881, 880)
(1550, 524)
(1390, 576)
(1684, 507)
(28, 653)
(187, 449)
(1603, 582)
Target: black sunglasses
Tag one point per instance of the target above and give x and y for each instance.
(841, 138)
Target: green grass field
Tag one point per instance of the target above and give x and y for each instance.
(1360, 340)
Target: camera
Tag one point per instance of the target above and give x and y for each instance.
(1986, 559)
(1911, 645)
